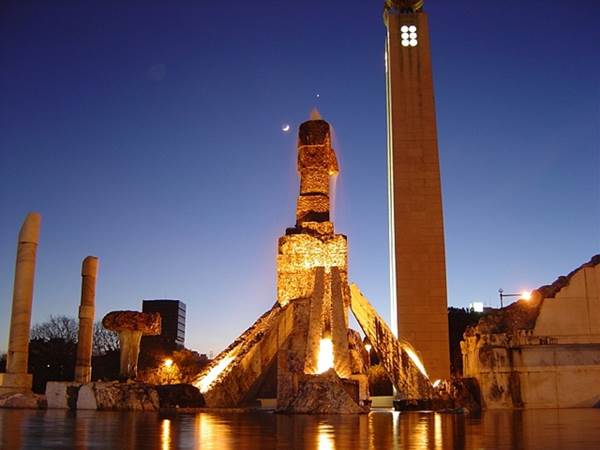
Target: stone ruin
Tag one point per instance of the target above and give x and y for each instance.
(543, 352)
(303, 342)
(302, 345)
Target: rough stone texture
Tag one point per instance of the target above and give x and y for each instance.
(147, 323)
(62, 394)
(250, 356)
(21, 400)
(339, 325)
(315, 322)
(316, 163)
(359, 357)
(544, 353)
(458, 395)
(394, 354)
(83, 365)
(419, 307)
(298, 257)
(16, 379)
(180, 396)
(116, 396)
(131, 326)
(323, 394)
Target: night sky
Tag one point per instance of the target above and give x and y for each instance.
(150, 135)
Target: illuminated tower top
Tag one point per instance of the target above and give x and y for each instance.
(316, 164)
(405, 5)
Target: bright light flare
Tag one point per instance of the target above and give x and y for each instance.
(416, 360)
(526, 295)
(325, 356)
(206, 381)
(436, 383)
(285, 128)
(168, 362)
(368, 348)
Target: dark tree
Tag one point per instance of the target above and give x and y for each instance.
(105, 341)
(53, 349)
(58, 327)
(458, 321)
(66, 328)
(51, 360)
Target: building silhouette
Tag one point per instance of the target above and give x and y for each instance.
(172, 313)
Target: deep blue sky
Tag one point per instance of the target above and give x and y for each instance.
(149, 134)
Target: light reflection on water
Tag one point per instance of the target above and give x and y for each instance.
(165, 435)
(87, 430)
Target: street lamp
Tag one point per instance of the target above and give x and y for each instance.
(525, 295)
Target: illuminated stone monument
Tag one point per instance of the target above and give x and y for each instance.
(304, 338)
(16, 379)
(417, 266)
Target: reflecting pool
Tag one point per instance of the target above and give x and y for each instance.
(382, 429)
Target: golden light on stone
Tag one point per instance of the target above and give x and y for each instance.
(416, 360)
(325, 355)
(205, 382)
(305, 334)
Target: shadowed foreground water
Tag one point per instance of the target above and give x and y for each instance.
(543, 429)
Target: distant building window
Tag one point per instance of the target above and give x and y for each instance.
(409, 35)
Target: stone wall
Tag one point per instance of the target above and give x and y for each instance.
(544, 353)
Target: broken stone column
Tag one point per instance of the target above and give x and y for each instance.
(131, 326)
(83, 367)
(16, 379)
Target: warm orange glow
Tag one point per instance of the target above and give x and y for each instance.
(213, 431)
(416, 360)
(436, 383)
(526, 295)
(204, 383)
(325, 437)
(368, 348)
(165, 434)
(168, 362)
(325, 356)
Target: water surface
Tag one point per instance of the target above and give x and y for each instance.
(384, 429)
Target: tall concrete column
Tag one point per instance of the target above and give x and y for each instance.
(16, 378)
(83, 367)
(417, 250)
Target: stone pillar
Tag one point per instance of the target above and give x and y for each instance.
(339, 329)
(16, 378)
(315, 323)
(83, 367)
